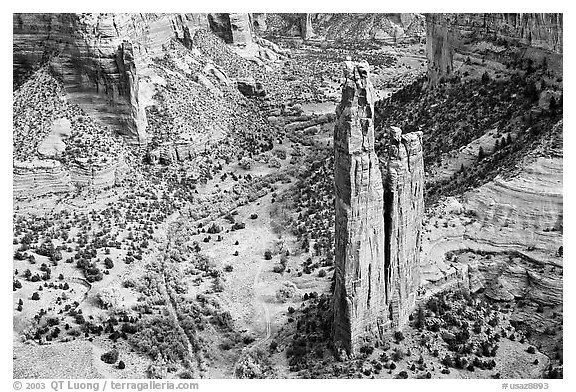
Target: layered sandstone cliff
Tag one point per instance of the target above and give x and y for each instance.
(447, 33)
(378, 225)
(103, 58)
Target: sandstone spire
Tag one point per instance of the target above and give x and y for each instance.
(360, 286)
(378, 226)
(403, 214)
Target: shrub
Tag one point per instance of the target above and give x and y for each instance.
(110, 298)
(367, 349)
(214, 229)
(108, 263)
(246, 163)
(218, 285)
(121, 365)
(397, 355)
(268, 255)
(36, 296)
(273, 345)
(110, 357)
(321, 273)
(238, 226)
(286, 291)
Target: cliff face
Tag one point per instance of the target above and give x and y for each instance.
(100, 57)
(232, 28)
(446, 33)
(378, 226)
(346, 27)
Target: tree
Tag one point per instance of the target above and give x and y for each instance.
(481, 153)
(485, 77)
(121, 365)
(35, 296)
(108, 263)
(421, 318)
(553, 106)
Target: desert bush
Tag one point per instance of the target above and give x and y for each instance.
(110, 357)
(286, 291)
(246, 163)
(110, 298)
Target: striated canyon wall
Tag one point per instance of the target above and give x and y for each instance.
(446, 33)
(345, 27)
(378, 224)
(100, 57)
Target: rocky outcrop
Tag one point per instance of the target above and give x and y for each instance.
(439, 49)
(232, 28)
(47, 176)
(96, 175)
(250, 88)
(306, 30)
(40, 177)
(446, 33)
(361, 294)
(377, 226)
(404, 211)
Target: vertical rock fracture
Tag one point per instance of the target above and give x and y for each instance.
(378, 227)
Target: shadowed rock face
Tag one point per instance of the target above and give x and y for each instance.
(447, 32)
(232, 28)
(378, 227)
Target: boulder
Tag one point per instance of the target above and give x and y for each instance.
(250, 88)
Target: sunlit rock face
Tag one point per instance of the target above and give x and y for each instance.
(232, 28)
(378, 226)
(447, 32)
(360, 293)
(97, 56)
